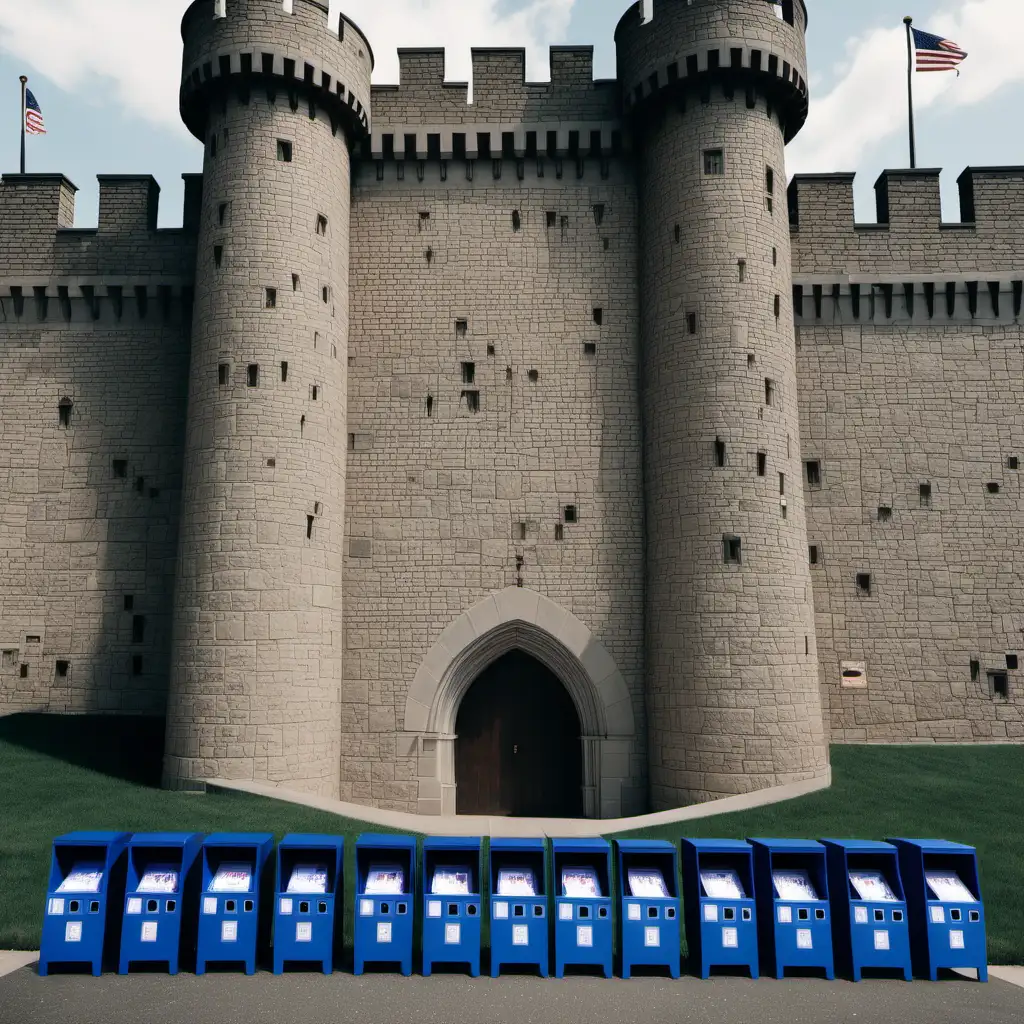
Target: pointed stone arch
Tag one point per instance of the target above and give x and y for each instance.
(521, 619)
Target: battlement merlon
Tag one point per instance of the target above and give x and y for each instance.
(690, 44)
(36, 202)
(128, 202)
(296, 48)
(501, 93)
(991, 200)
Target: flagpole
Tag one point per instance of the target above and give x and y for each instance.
(908, 21)
(24, 84)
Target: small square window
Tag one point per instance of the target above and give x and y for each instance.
(468, 373)
(129, 602)
(762, 463)
(732, 550)
(570, 514)
(589, 348)
(461, 328)
(864, 582)
(270, 300)
(1013, 462)
(1011, 661)
(223, 374)
(552, 218)
(999, 683)
(533, 375)
(993, 488)
(62, 669)
(120, 468)
(884, 513)
(490, 350)
(284, 151)
(471, 400)
(813, 470)
(714, 161)
(253, 375)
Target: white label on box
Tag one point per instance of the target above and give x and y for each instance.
(209, 904)
(564, 911)
(652, 937)
(285, 905)
(633, 911)
(73, 931)
(303, 931)
(383, 931)
(520, 935)
(937, 914)
(229, 931)
(710, 911)
(366, 908)
(785, 915)
(804, 939)
(433, 908)
(860, 915)
(452, 934)
(584, 935)
(148, 931)
(500, 911)
(881, 940)
(730, 938)
(134, 906)
(57, 906)
(956, 940)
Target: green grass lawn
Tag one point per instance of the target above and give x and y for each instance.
(60, 774)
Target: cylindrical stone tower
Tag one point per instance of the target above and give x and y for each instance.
(278, 95)
(714, 89)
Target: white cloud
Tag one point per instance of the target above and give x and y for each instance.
(868, 103)
(129, 51)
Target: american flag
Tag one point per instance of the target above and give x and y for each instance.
(935, 53)
(33, 115)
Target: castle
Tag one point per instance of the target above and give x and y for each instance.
(539, 454)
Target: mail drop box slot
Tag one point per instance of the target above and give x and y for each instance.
(234, 899)
(870, 930)
(794, 923)
(947, 915)
(583, 904)
(519, 905)
(160, 919)
(649, 932)
(84, 901)
(308, 901)
(721, 911)
(384, 901)
(451, 902)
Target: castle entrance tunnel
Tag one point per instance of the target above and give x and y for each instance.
(518, 750)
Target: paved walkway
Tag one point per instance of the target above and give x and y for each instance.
(472, 825)
(450, 999)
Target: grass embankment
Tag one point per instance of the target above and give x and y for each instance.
(61, 774)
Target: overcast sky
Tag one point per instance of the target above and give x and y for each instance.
(106, 74)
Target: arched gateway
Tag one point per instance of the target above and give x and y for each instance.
(549, 645)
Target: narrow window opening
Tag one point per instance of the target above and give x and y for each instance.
(295, 282)
(517, 221)
(490, 350)
(975, 670)
(468, 373)
(23, 672)
(223, 373)
(769, 391)
(1011, 661)
(714, 161)
(351, 442)
(62, 669)
(64, 412)
(751, 359)
(813, 469)
(762, 463)
(309, 527)
(430, 406)
(136, 664)
(691, 323)
(677, 234)
(138, 629)
(570, 514)
(598, 315)
(284, 371)
(140, 484)
(769, 181)
(120, 468)
(719, 452)
(253, 375)
(925, 495)
(741, 266)
(222, 213)
(778, 306)
(325, 294)
(284, 151)
(812, 554)
(884, 513)
(1013, 462)
(784, 509)
(314, 392)
(1000, 684)
(321, 224)
(533, 375)
(775, 257)
(732, 550)
(271, 298)
(552, 218)
(472, 400)
(522, 536)
(782, 483)
(559, 532)
(461, 327)
(864, 582)
(599, 214)
(218, 255)
(129, 602)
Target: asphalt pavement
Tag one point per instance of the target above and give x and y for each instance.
(25, 998)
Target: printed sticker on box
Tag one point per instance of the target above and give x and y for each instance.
(148, 931)
(881, 940)
(633, 911)
(584, 935)
(652, 937)
(56, 907)
(500, 911)
(710, 911)
(433, 908)
(785, 915)
(73, 931)
(938, 915)
(366, 908)
(956, 940)
(303, 931)
(286, 905)
(730, 938)
(452, 934)
(383, 931)
(804, 939)
(860, 915)
(564, 911)
(229, 931)
(520, 935)
(209, 904)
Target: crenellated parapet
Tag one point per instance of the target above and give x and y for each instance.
(909, 241)
(286, 47)
(689, 47)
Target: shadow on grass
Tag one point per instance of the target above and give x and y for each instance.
(129, 748)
